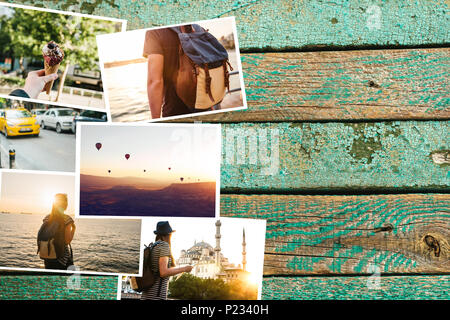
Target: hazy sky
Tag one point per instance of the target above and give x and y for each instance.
(190, 151)
(34, 192)
(130, 45)
(187, 230)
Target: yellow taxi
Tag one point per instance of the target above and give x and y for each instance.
(18, 122)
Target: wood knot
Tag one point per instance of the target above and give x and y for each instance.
(432, 244)
(372, 84)
(386, 228)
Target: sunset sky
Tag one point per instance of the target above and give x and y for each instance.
(190, 151)
(188, 230)
(34, 192)
(130, 45)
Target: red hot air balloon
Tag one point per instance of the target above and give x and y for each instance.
(127, 156)
(98, 145)
(169, 168)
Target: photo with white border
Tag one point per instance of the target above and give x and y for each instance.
(31, 202)
(22, 57)
(129, 170)
(128, 66)
(226, 255)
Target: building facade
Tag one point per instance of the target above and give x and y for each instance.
(209, 262)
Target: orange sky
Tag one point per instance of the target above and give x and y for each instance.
(190, 151)
(34, 192)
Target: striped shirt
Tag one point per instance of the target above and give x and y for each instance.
(66, 257)
(161, 249)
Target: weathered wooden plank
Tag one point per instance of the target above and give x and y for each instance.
(283, 24)
(405, 233)
(343, 85)
(335, 157)
(57, 287)
(340, 288)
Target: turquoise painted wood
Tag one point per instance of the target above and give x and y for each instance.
(343, 85)
(315, 235)
(278, 288)
(359, 288)
(287, 157)
(53, 287)
(288, 24)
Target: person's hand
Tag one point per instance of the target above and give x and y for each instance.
(188, 268)
(35, 82)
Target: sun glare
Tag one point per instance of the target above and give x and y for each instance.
(48, 200)
(253, 279)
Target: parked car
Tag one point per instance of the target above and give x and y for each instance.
(58, 118)
(18, 122)
(38, 114)
(88, 116)
(86, 78)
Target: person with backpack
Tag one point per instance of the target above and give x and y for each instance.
(161, 263)
(55, 236)
(187, 70)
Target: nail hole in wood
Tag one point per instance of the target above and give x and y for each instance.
(433, 244)
(372, 84)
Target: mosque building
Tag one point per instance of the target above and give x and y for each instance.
(209, 262)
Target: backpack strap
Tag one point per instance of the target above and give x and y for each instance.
(71, 252)
(208, 82)
(159, 276)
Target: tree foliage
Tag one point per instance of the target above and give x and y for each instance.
(25, 32)
(190, 287)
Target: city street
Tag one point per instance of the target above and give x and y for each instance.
(49, 152)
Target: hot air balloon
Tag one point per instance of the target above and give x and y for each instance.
(145, 170)
(98, 145)
(181, 179)
(169, 168)
(127, 156)
(109, 171)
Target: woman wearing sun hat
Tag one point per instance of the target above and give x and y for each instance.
(162, 263)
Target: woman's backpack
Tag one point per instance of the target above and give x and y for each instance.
(48, 240)
(149, 277)
(202, 77)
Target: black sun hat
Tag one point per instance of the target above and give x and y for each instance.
(163, 228)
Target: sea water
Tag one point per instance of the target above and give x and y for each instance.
(100, 245)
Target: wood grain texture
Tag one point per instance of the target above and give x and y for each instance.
(343, 85)
(345, 157)
(56, 287)
(286, 24)
(350, 234)
(346, 288)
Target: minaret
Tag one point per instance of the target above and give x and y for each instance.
(244, 253)
(218, 236)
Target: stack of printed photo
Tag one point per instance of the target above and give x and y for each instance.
(93, 178)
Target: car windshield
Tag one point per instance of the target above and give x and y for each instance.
(66, 112)
(16, 114)
(39, 111)
(92, 114)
